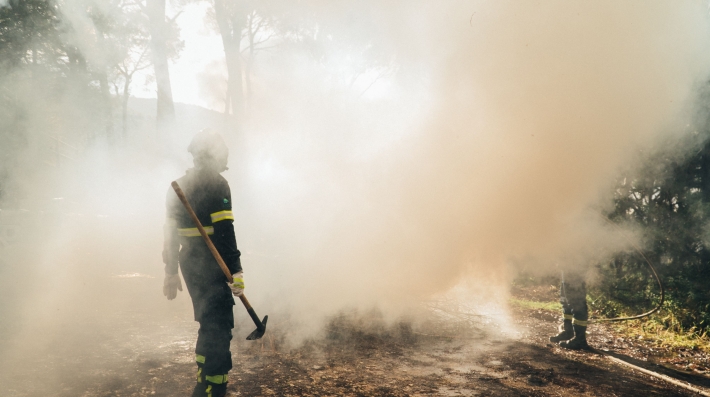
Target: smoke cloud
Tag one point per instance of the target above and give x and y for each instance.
(483, 135)
(503, 129)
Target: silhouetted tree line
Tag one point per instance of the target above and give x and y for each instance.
(67, 67)
(64, 63)
(668, 200)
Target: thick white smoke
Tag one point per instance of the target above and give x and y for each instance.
(494, 127)
(505, 125)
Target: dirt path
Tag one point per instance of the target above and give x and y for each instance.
(350, 364)
(136, 353)
(398, 361)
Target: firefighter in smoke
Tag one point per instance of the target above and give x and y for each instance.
(212, 297)
(573, 297)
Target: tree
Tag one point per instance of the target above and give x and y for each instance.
(48, 89)
(258, 33)
(160, 35)
(669, 200)
(138, 59)
(231, 19)
(127, 28)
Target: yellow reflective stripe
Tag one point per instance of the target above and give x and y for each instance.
(581, 323)
(239, 282)
(222, 216)
(209, 391)
(216, 379)
(567, 317)
(199, 375)
(194, 232)
(200, 358)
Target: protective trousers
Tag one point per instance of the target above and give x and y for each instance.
(213, 304)
(212, 354)
(214, 360)
(573, 297)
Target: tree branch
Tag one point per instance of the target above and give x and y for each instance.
(171, 20)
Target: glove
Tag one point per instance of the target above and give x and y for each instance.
(237, 284)
(171, 285)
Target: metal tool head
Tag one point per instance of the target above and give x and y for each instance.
(259, 331)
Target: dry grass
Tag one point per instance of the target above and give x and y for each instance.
(663, 331)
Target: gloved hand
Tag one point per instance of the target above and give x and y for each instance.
(171, 285)
(237, 284)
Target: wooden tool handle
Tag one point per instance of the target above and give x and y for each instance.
(247, 304)
(208, 241)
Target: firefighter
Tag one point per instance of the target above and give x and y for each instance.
(573, 297)
(212, 296)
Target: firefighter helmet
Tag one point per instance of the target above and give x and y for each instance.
(209, 150)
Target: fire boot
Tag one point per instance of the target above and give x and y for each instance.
(579, 342)
(200, 389)
(216, 385)
(566, 332)
(210, 386)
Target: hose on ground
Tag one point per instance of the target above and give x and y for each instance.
(653, 271)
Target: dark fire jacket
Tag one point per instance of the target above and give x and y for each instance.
(209, 195)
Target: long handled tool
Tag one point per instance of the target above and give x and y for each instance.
(260, 324)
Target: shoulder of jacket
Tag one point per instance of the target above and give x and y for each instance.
(183, 179)
(223, 182)
(182, 182)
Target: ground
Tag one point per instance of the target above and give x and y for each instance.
(357, 354)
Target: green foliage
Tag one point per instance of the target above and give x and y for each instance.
(669, 200)
(29, 32)
(58, 63)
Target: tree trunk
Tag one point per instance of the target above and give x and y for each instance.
(102, 76)
(705, 172)
(106, 96)
(231, 18)
(158, 38)
(234, 83)
(124, 107)
(250, 61)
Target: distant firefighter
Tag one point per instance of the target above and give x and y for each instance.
(573, 297)
(212, 297)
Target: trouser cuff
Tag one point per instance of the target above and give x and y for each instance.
(216, 379)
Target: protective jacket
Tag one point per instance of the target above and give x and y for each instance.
(209, 195)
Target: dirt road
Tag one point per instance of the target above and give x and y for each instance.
(134, 352)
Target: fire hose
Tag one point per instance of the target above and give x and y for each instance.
(653, 271)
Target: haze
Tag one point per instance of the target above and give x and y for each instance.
(420, 146)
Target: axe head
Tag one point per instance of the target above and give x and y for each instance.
(259, 331)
